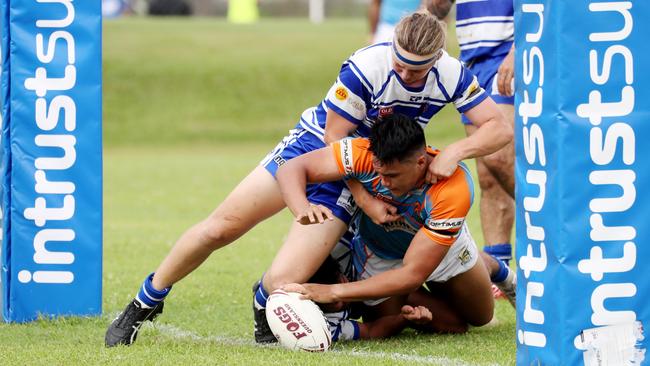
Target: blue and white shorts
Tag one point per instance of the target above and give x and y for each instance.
(486, 73)
(333, 195)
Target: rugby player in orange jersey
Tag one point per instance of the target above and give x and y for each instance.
(430, 244)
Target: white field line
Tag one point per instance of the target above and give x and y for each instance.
(179, 333)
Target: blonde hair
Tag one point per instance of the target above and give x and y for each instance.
(421, 33)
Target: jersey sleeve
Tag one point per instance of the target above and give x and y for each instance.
(468, 92)
(447, 205)
(353, 158)
(350, 94)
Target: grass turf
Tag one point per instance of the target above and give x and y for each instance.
(190, 106)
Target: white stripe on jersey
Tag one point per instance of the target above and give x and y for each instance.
(484, 44)
(485, 19)
(469, 1)
(485, 32)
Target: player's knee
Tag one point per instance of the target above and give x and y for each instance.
(219, 230)
(501, 163)
(482, 317)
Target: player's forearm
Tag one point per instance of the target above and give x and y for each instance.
(491, 136)
(292, 178)
(383, 327)
(359, 193)
(399, 281)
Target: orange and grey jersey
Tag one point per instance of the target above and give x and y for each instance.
(438, 210)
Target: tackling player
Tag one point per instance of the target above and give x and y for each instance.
(430, 244)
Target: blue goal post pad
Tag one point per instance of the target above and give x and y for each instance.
(51, 165)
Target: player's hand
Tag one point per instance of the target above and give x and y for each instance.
(506, 74)
(315, 214)
(417, 314)
(323, 294)
(380, 212)
(441, 167)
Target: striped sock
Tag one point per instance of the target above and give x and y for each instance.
(502, 273)
(260, 296)
(500, 251)
(148, 296)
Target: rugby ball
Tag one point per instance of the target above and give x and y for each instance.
(297, 324)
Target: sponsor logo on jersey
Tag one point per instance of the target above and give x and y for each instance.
(346, 201)
(386, 111)
(445, 224)
(415, 98)
(356, 105)
(401, 225)
(341, 93)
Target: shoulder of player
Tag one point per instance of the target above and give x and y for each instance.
(449, 70)
(459, 181)
(373, 62)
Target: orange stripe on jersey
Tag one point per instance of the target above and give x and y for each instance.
(450, 200)
(352, 156)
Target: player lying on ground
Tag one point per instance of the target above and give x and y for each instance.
(422, 311)
(430, 244)
(412, 75)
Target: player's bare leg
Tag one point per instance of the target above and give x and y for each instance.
(471, 295)
(256, 198)
(304, 250)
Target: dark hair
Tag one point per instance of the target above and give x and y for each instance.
(395, 137)
(328, 274)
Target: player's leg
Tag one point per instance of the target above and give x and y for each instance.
(446, 318)
(254, 199)
(465, 281)
(300, 256)
(496, 205)
(257, 197)
(504, 278)
(471, 295)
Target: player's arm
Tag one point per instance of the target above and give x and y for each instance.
(337, 127)
(313, 167)
(420, 260)
(439, 8)
(492, 134)
(373, 17)
(391, 325)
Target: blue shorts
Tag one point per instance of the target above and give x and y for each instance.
(333, 195)
(486, 72)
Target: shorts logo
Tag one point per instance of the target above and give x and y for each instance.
(279, 160)
(465, 256)
(346, 201)
(341, 93)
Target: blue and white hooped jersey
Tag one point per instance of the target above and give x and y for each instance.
(484, 28)
(368, 88)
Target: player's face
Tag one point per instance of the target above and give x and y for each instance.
(400, 177)
(411, 75)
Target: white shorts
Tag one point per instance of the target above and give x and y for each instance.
(461, 257)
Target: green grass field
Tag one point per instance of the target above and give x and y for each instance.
(189, 108)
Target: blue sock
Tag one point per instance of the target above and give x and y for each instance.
(260, 296)
(500, 251)
(149, 296)
(502, 273)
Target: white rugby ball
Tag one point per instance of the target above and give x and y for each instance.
(296, 323)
